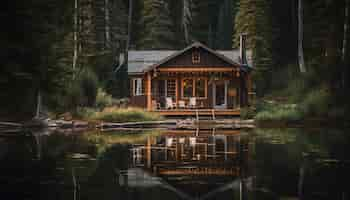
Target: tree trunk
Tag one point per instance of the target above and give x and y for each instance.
(129, 27)
(107, 25)
(345, 44)
(75, 37)
(300, 38)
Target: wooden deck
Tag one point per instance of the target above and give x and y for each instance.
(200, 112)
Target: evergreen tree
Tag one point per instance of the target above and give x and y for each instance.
(223, 37)
(158, 28)
(254, 19)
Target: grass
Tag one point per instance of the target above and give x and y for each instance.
(276, 112)
(120, 115)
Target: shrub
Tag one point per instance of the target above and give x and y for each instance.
(88, 83)
(103, 99)
(247, 113)
(85, 113)
(316, 103)
(288, 112)
(81, 92)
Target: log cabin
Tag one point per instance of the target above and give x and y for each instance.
(194, 81)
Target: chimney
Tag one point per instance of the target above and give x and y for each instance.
(242, 48)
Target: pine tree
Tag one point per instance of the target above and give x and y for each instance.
(254, 19)
(223, 37)
(158, 28)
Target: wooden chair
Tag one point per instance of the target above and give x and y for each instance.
(155, 105)
(182, 104)
(192, 102)
(169, 104)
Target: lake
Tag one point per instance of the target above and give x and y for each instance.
(254, 164)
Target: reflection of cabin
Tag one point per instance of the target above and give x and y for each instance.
(194, 163)
(204, 153)
(195, 78)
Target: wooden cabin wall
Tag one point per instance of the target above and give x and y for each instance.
(137, 101)
(210, 95)
(207, 59)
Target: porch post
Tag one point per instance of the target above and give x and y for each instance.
(149, 92)
(177, 90)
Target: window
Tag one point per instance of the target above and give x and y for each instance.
(188, 88)
(171, 88)
(196, 57)
(194, 88)
(200, 88)
(137, 87)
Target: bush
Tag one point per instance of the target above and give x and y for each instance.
(119, 115)
(85, 113)
(88, 83)
(316, 103)
(247, 113)
(81, 92)
(288, 112)
(103, 99)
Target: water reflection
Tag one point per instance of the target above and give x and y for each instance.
(193, 164)
(176, 164)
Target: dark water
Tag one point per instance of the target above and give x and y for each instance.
(282, 164)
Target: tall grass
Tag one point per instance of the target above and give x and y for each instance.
(287, 112)
(119, 115)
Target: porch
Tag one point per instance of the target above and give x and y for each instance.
(195, 93)
(209, 113)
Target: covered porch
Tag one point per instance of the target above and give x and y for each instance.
(217, 91)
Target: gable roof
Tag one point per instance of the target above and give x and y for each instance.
(142, 61)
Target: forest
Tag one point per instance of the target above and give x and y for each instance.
(69, 54)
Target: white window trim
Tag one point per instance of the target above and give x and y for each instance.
(137, 86)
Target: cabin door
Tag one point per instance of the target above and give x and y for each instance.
(220, 94)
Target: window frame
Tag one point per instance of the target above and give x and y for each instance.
(196, 57)
(137, 86)
(194, 87)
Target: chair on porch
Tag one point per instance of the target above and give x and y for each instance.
(192, 102)
(169, 104)
(182, 104)
(155, 105)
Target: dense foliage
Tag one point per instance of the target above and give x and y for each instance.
(47, 45)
